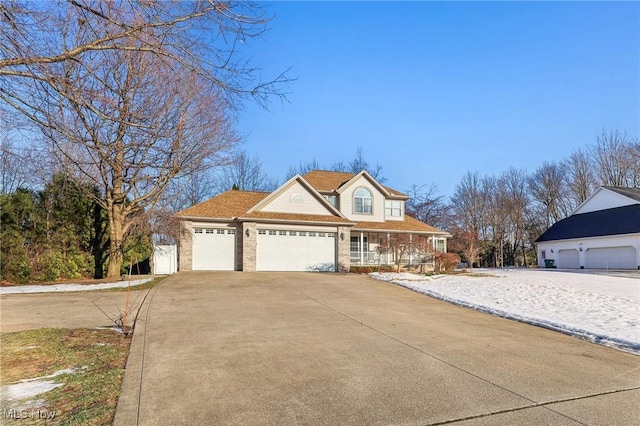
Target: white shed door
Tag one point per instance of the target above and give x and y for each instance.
(285, 250)
(214, 249)
(568, 259)
(611, 257)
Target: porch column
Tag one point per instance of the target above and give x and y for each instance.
(388, 247)
(361, 248)
(410, 249)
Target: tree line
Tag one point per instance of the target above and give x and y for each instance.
(494, 220)
(58, 232)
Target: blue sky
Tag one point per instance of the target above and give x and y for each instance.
(432, 90)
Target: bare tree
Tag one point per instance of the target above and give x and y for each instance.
(426, 206)
(303, 168)
(613, 155)
(469, 202)
(548, 187)
(581, 181)
(358, 164)
(244, 173)
(512, 186)
(130, 95)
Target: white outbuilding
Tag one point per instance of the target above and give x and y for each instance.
(602, 233)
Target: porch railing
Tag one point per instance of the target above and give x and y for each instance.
(374, 258)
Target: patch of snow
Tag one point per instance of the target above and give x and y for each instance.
(54, 288)
(29, 388)
(24, 390)
(30, 404)
(600, 308)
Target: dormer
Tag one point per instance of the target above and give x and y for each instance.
(359, 197)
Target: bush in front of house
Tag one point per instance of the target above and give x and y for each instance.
(446, 262)
(367, 269)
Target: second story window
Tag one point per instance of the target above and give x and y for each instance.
(362, 201)
(393, 208)
(332, 199)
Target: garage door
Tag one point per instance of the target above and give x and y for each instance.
(611, 257)
(214, 249)
(287, 250)
(568, 259)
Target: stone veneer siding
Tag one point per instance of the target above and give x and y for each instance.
(344, 249)
(185, 247)
(249, 244)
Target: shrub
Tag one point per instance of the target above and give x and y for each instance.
(367, 269)
(14, 260)
(446, 262)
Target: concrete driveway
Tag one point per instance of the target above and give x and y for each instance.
(310, 348)
(66, 310)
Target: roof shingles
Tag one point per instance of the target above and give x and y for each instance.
(233, 205)
(616, 221)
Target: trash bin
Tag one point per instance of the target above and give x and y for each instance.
(548, 263)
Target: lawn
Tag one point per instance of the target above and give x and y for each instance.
(79, 370)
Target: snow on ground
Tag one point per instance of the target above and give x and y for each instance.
(70, 287)
(29, 388)
(600, 308)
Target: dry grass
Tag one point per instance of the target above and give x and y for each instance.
(89, 395)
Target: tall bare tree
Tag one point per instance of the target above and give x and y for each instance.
(548, 188)
(581, 180)
(613, 155)
(427, 206)
(130, 95)
(245, 173)
(359, 163)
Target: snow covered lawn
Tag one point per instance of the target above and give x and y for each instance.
(603, 309)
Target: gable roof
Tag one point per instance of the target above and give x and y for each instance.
(633, 193)
(622, 196)
(297, 179)
(239, 204)
(616, 221)
(329, 181)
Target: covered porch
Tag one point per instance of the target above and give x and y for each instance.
(414, 249)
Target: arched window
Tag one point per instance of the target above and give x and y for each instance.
(362, 201)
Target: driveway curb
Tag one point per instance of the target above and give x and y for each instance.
(127, 408)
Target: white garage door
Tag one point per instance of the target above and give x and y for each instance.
(568, 259)
(287, 250)
(214, 249)
(611, 257)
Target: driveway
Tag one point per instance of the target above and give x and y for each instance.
(66, 310)
(311, 348)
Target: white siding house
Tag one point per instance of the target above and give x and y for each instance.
(603, 233)
(322, 221)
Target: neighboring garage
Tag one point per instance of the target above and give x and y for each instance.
(568, 259)
(214, 249)
(611, 258)
(602, 233)
(295, 250)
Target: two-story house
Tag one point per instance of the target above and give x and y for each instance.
(322, 221)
